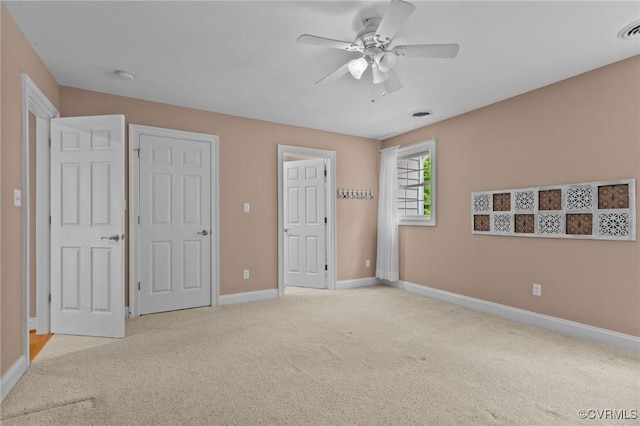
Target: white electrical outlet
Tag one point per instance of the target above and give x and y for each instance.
(245, 274)
(537, 289)
(367, 263)
(246, 207)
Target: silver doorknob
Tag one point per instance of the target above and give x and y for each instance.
(203, 232)
(114, 237)
(286, 230)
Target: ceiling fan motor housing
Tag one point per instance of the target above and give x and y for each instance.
(367, 39)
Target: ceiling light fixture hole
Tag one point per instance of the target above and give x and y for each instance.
(124, 75)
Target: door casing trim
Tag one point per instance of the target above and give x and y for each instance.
(330, 157)
(135, 131)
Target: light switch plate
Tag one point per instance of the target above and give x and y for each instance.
(17, 197)
(246, 207)
(537, 289)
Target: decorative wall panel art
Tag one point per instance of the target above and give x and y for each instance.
(593, 210)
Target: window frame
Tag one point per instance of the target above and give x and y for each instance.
(412, 150)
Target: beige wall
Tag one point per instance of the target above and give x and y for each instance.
(16, 57)
(248, 173)
(578, 130)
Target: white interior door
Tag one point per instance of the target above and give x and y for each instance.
(174, 230)
(87, 225)
(305, 256)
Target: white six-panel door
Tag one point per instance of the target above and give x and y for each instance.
(87, 225)
(304, 223)
(174, 230)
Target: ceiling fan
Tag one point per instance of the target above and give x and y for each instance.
(374, 41)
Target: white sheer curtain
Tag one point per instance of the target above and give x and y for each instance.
(387, 258)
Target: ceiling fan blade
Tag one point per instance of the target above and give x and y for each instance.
(327, 42)
(428, 50)
(393, 18)
(343, 70)
(392, 83)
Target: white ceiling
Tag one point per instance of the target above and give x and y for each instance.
(242, 58)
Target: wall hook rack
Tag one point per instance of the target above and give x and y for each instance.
(355, 194)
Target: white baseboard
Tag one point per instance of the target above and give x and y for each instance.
(356, 283)
(32, 324)
(249, 296)
(570, 328)
(12, 375)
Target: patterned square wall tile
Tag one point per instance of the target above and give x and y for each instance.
(481, 222)
(525, 201)
(549, 223)
(502, 202)
(502, 223)
(579, 224)
(616, 224)
(525, 223)
(481, 203)
(550, 199)
(580, 198)
(613, 196)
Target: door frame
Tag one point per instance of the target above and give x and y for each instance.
(135, 131)
(36, 102)
(330, 205)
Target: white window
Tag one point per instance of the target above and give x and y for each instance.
(417, 184)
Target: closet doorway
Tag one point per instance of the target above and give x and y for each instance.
(306, 218)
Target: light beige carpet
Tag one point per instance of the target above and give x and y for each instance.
(374, 355)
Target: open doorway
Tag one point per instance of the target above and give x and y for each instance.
(306, 218)
(37, 340)
(37, 111)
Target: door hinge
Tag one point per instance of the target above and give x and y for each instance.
(49, 220)
(49, 297)
(138, 219)
(138, 285)
(138, 151)
(49, 142)
(326, 267)
(325, 220)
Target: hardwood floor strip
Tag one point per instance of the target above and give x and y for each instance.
(36, 343)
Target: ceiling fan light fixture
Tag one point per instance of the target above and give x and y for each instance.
(357, 67)
(385, 61)
(378, 75)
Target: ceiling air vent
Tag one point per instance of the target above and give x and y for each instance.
(421, 114)
(630, 31)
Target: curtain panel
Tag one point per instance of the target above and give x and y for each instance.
(387, 256)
